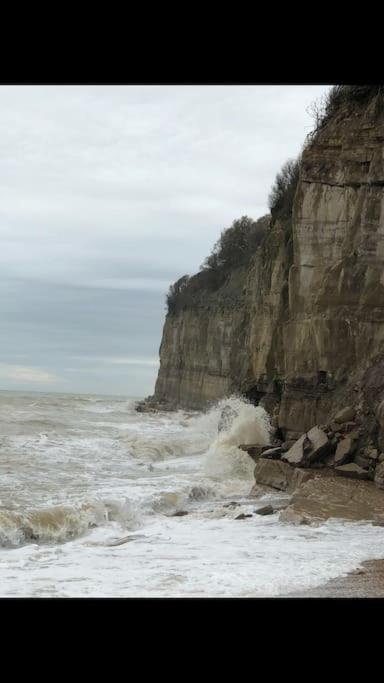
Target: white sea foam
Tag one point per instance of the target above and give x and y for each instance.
(249, 425)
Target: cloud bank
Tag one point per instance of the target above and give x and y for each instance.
(108, 194)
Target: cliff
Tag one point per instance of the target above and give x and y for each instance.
(303, 321)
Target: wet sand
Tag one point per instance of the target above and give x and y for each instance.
(366, 582)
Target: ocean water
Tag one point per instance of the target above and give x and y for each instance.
(89, 489)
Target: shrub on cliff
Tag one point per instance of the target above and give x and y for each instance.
(326, 107)
(281, 197)
(237, 243)
(234, 248)
(175, 292)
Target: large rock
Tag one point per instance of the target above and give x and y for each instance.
(273, 473)
(345, 415)
(327, 496)
(254, 450)
(353, 471)
(308, 448)
(273, 453)
(361, 461)
(296, 454)
(379, 475)
(279, 475)
(266, 510)
(344, 451)
(320, 444)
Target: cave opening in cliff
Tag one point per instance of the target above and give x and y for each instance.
(254, 395)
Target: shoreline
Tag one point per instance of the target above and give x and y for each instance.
(365, 582)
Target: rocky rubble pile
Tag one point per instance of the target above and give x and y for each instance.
(344, 446)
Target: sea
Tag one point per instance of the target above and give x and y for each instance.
(99, 500)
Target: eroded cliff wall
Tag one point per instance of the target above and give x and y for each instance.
(307, 313)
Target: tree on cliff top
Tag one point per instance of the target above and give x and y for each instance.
(337, 96)
(175, 292)
(281, 197)
(234, 248)
(237, 243)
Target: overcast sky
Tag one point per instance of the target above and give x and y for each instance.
(109, 194)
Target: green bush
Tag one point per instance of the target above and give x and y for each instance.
(175, 292)
(281, 197)
(237, 244)
(234, 248)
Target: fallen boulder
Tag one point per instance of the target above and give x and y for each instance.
(296, 455)
(320, 443)
(243, 516)
(273, 453)
(327, 496)
(344, 451)
(266, 510)
(254, 450)
(279, 475)
(362, 461)
(308, 448)
(345, 414)
(352, 470)
(273, 473)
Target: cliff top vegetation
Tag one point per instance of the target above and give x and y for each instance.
(234, 248)
(343, 96)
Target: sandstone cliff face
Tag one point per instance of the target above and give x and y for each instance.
(308, 312)
(202, 345)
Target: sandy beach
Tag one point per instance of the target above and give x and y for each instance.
(366, 582)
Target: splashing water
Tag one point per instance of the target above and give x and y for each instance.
(248, 425)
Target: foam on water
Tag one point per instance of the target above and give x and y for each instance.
(89, 488)
(248, 425)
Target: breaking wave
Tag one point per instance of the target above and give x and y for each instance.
(60, 523)
(243, 423)
(217, 434)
